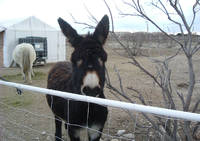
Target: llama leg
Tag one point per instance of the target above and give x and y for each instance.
(74, 133)
(29, 77)
(32, 73)
(58, 133)
(23, 75)
(26, 77)
(94, 132)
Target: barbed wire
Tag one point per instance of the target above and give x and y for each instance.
(10, 120)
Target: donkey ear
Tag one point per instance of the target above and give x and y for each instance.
(102, 29)
(69, 32)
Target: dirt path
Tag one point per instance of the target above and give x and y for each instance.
(28, 117)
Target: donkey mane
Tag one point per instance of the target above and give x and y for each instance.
(84, 75)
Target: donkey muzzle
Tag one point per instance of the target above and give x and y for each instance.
(95, 92)
(91, 85)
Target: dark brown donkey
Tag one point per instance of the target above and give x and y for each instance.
(85, 75)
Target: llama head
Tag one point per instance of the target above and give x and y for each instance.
(88, 57)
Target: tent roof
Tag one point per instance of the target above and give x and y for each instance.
(32, 23)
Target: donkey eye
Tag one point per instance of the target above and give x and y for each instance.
(100, 61)
(79, 62)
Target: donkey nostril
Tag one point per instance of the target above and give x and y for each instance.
(86, 90)
(97, 90)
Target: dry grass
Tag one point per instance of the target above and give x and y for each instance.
(131, 77)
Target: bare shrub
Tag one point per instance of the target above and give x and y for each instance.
(166, 129)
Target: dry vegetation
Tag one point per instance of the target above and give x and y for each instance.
(118, 119)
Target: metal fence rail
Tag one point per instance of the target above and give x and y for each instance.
(113, 103)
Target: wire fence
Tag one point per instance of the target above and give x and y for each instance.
(33, 123)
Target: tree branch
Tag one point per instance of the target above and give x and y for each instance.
(180, 95)
(194, 12)
(142, 14)
(111, 16)
(82, 23)
(196, 106)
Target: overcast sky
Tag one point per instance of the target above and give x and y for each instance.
(49, 10)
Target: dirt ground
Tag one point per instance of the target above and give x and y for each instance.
(27, 117)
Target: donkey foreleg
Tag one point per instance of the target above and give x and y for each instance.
(58, 126)
(96, 122)
(94, 132)
(74, 133)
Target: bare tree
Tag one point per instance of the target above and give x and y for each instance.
(170, 129)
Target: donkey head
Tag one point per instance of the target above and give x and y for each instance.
(88, 58)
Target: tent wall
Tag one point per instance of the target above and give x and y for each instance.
(55, 44)
(56, 47)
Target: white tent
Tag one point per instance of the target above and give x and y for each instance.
(56, 46)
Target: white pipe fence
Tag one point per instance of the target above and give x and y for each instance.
(113, 103)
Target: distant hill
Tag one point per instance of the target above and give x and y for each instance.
(146, 39)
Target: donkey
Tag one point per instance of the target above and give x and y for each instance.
(24, 55)
(85, 75)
